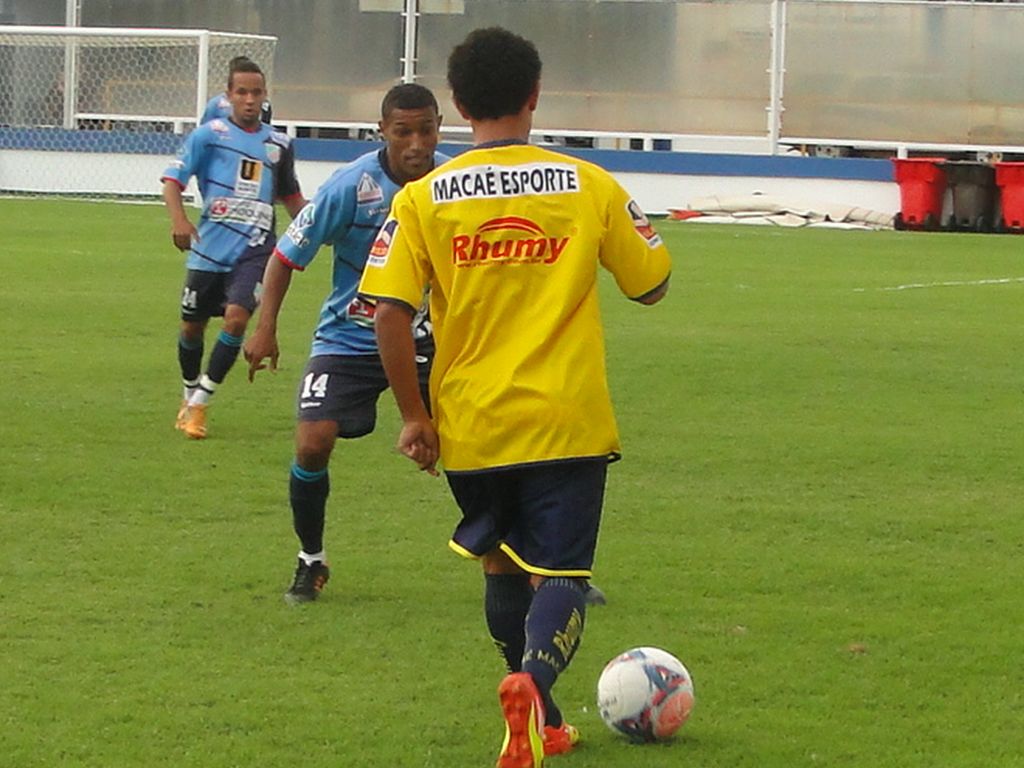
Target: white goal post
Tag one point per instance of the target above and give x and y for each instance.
(90, 111)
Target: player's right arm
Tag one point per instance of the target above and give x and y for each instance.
(396, 274)
(175, 178)
(418, 438)
(182, 230)
(326, 218)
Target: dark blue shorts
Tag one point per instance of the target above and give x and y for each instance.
(345, 389)
(544, 516)
(206, 294)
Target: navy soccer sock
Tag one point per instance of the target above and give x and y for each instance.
(223, 356)
(308, 493)
(190, 358)
(507, 598)
(554, 627)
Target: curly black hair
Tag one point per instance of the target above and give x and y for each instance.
(493, 73)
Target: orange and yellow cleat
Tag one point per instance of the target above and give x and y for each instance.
(523, 710)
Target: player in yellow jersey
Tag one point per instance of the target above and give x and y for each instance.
(509, 238)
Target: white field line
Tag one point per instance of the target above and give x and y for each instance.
(949, 284)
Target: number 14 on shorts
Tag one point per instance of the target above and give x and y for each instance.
(314, 389)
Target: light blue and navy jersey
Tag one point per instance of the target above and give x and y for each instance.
(219, 106)
(240, 174)
(347, 212)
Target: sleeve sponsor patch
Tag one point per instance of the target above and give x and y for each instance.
(296, 231)
(382, 245)
(642, 224)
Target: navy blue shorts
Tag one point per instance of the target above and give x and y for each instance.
(543, 516)
(206, 294)
(345, 389)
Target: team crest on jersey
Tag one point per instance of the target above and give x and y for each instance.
(382, 245)
(507, 240)
(273, 152)
(643, 224)
(368, 190)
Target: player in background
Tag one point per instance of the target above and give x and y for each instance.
(241, 166)
(343, 379)
(508, 237)
(220, 105)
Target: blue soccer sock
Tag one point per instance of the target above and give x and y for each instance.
(507, 598)
(308, 492)
(223, 356)
(554, 627)
(190, 359)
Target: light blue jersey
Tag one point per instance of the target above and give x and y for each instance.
(347, 212)
(240, 174)
(219, 106)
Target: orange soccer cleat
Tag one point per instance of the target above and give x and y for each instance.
(558, 741)
(182, 418)
(523, 710)
(195, 422)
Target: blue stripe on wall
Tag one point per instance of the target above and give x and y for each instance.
(697, 164)
(60, 140)
(632, 161)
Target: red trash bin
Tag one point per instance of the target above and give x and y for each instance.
(1010, 180)
(922, 190)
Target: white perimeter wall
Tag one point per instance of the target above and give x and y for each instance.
(45, 172)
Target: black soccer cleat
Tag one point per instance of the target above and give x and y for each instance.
(309, 580)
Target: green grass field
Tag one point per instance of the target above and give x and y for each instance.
(819, 511)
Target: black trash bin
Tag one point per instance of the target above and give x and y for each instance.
(974, 196)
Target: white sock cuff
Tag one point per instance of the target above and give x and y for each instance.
(309, 559)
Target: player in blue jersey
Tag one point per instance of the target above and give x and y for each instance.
(220, 105)
(343, 378)
(242, 166)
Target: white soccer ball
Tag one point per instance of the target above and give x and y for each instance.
(645, 694)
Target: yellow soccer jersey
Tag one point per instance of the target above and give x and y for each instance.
(509, 238)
